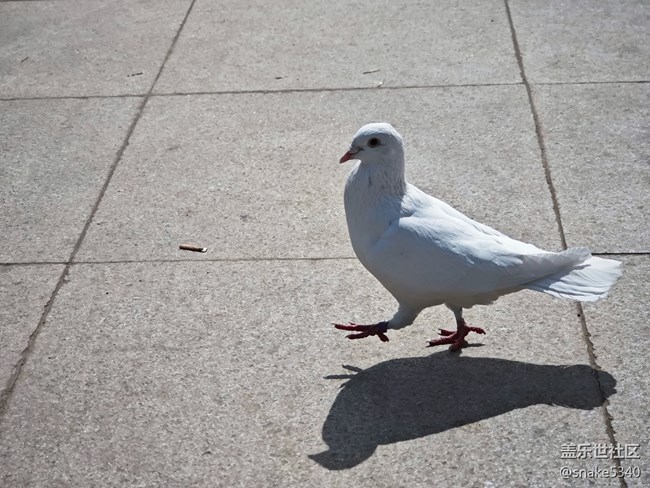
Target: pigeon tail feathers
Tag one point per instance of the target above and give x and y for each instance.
(586, 281)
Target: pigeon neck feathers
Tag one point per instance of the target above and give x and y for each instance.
(381, 178)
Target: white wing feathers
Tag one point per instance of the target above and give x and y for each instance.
(433, 249)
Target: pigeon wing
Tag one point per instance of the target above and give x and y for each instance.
(437, 250)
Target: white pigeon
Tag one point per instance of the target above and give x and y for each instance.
(426, 253)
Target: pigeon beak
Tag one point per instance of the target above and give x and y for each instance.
(349, 155)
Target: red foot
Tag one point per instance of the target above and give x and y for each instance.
(455, 338)
(446, 332)
(365, 330)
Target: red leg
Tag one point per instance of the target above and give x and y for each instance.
(378, 329)
(456, 339)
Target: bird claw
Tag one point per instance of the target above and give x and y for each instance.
(455, 338)
(455, 342)
(378, 329)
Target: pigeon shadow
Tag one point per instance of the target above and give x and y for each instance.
(408, 398)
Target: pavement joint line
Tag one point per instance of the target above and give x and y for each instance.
(11, 382)
(6, 393)
(538, 127)
(265, 91)
(620, 82)
(316, 90)
(218, 260)
(72, 97)
(607, 417)
(242, 259)
(171, 48)
(622, 253)
(183, 260)
(258, 91)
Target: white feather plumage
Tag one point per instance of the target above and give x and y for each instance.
(427, 253)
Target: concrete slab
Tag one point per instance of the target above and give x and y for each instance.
(257, 175)
(53, 48)
(235, 45)
(620, 332)
(24, 291)
(229, 374)
(54, 160)
(583, 40)
(598, 142)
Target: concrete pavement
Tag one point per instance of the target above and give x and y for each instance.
(130, 127)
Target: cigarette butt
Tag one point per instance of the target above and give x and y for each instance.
(192, 247)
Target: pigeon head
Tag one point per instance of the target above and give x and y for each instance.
(376, 143)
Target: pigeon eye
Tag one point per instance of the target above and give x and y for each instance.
(373, 142)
